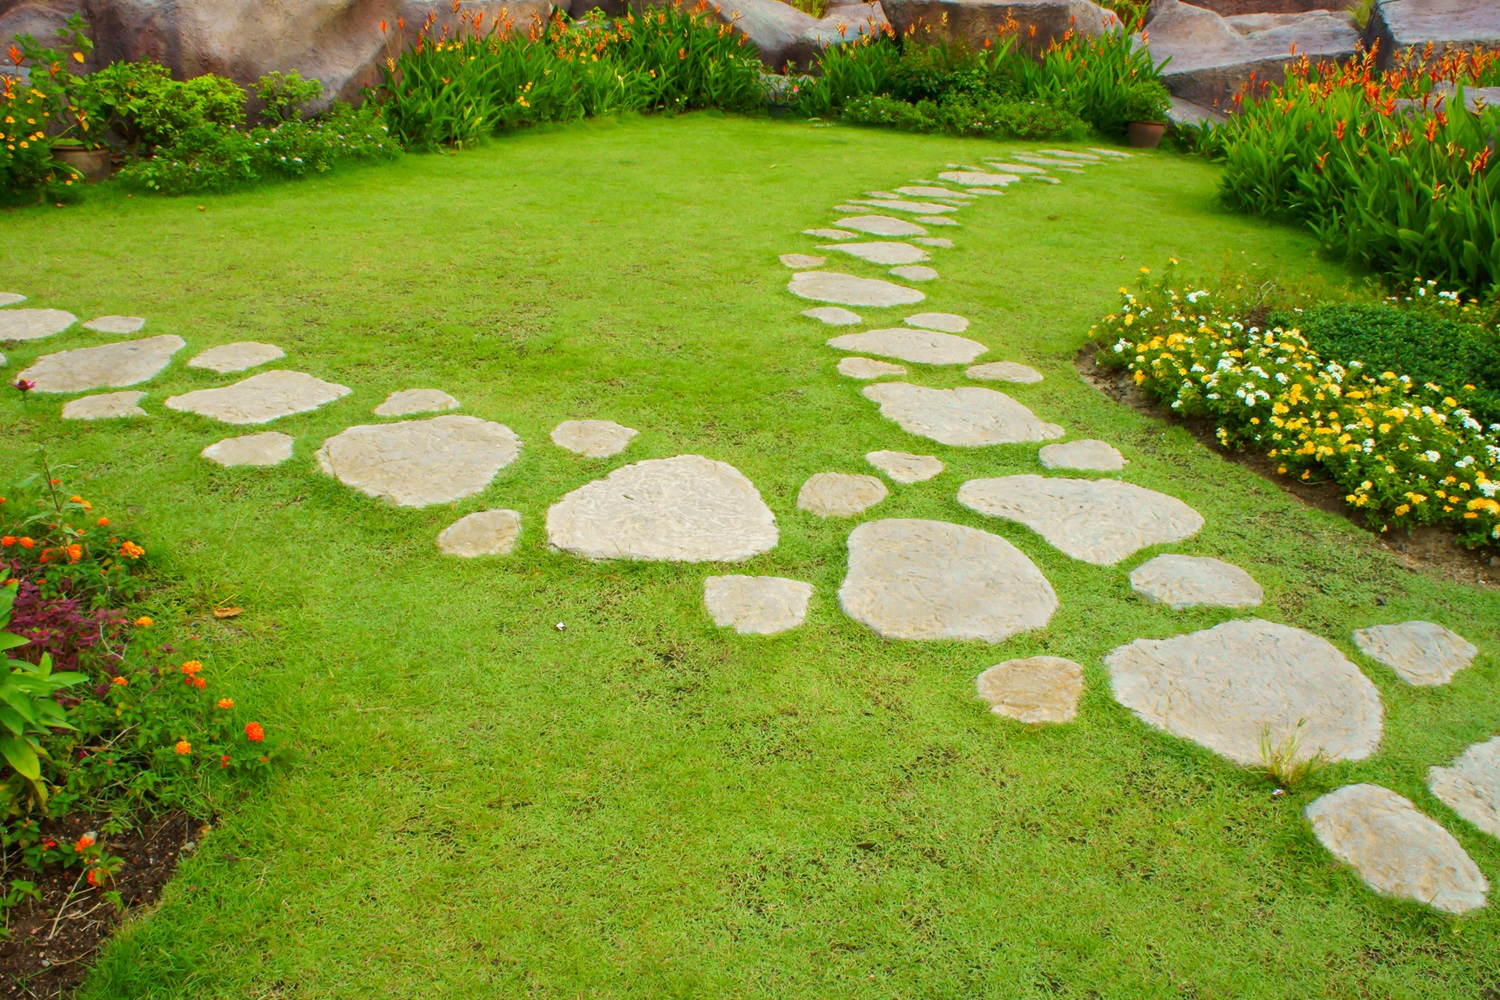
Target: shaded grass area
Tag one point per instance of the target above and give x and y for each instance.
(643, 805)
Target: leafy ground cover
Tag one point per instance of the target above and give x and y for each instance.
(640, 804)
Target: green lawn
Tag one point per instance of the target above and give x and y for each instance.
(644, 805)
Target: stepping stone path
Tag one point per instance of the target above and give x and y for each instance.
(868, 368)
(266, 448)
(840, 494)
(1193, 581)
(802, 260)
(107, 406)
(115, 324)
(1087, 454)
(1231, 686)
(971, 178)
(260, 398)
(849, 208)
(11, 298)
(916, 207)
(1470, 786)
(936, 220)
(922, 191)
(1396, 850)
(921, 346)
(968, 417)
(1422, 653)
(485, 533)
(914, 579)
(832, 315)
(1099, 521)
(904, 467)
(1016, 168)
(915, 272)
(882, 225)
(408, 401)
(237, 357)
(1069, 154)
(593, 438)
(942, 322)
(756, 605)
(417, 463)
(683, 509)
(1118, 154)
(1004, 371)
(934, 241)
(847, 290)
(1036, 689)
(880, 252)
(33, 324)
(124, 363)
(831, 234)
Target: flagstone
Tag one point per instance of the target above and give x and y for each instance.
(405, 402)
(756, 605)
(417, 463)
(123, 363)
(968, 416)
(260, 398)
(263, 449)
(593, 438)
(237, 357)
(483, 533)
(847, 290)
(904, 467)
(1032, 690)
(33, 324)
(868, 368)
(840, 494)
(107, 406)
(1005, 371)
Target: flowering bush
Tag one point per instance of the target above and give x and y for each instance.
(40, 110)
(1406, 453)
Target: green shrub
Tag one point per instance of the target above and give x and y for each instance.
(992, 118)
(284, 95)
(39, 113)
(151, 109)
(1144, 101)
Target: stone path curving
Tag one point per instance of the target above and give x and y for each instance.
(260, 398)
(1192, 581)
(1421, 653)
(832, 315)
(927, 191)
(1086, 454)
(1016, 169)
(969, 417)
(972, 178)
(406, 402)
(115, 324)
(904, 467)
(124, 363)
(1036, 689)
(264, 449)
(237, 357)
(593, 438)
(417, 463)
(1470, 786)
(847, 290)
(914, 207)
(879, 252)
(840, 494)
(868, 368)
(33, 324)
(756, 605)
(1004, 371)
(941, 322)
(485, 533)
(107, 406)
(879, 225)
(921, 346)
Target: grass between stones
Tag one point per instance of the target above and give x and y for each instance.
(645, 805)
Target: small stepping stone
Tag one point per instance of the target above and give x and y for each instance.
(1470, 786)
(1099, 521)
(942, 322)
(34, 324)
(1069, 154)
(847, 290)
(237, 357)
(868, 368)
(1016, 168)
(914, 272)
(260, 398)
(264, 449)
(1070, 170)
(593, 438)
(882, 194)
(914, 579)
(11, 298)
(124, 363)
(881, 252)
(416, 463)
(1396, 850)
(1116, 153)
(915, 207)
(1422, 653)
(921, 346)
(115, 324)
(882, 225)
(990, 192)
(904, 467)
(971, 178)
(1195, 581)
(409, 401)
(1086, 454)
(934, 241)
(832, 315)
(849, 208)
(967, 417)
(1004, 371)
(936, 220)
(107, 406)
(831, 234)
(840, 494)
(1036, 689)
(1042, 161)
(485, 533)
(802, 261)
(683, 509)
(756, 605)
(1228, 687)
(1047, 180)
(922, 191)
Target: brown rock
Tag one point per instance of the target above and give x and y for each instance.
(977, 22)
(1400, 24)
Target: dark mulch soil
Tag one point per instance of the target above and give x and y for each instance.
(53, 940)
(1429, 550)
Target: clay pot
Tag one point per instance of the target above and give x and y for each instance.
(1146, 135)
(93, 164)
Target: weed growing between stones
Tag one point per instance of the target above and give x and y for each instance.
(1283, 762)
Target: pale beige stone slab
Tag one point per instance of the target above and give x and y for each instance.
(832, 315)
(831, 234)
(593, 438)
(1471, 785)
(1036, 689)
(930, 191)
(264, 449)
(1016, 168)
(840, 494)
(881, 225)
(1070, 154)
(847, 290)
(260, 398)
(11, 298)
(237, 357)
(925, 347)
(972, 178)
(756, 605)
(868, 368)
(904, 467)
(915, 207)
(1087, 454)
(116, 324)
(1116, 153)
(416, 463)
(915, 272)
(936, 220)
(934, 241)
(942, 322)
(408, 401)
(126, 362)
(1422, 653)
(969, 417)
(1005, 371)
(107, 406)
(34, 324)
(485, 533)
(802, 261)
(880, 251)
(1193, 581)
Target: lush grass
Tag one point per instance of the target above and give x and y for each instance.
(644, 805)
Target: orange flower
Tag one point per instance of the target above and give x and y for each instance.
(226, 702)
(183, 748)
(103, 522)
(197, 682)
(131, 550)
(26, 543)
(254, 733)
(84, 843)
(120, 681)
(192, 668)
(8, 541)
(75, 552)
(144, 622)
(97, 876)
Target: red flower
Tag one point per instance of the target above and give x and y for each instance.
(84, 843)
(254, 733)
(25, 385)
(224, 761)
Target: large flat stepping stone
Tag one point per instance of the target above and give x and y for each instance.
(969, 417)
(264, 449)
(125, 363)
(831, 234)
(1086, 454)
(868, 368)
(941, 322)
(880, 252)
(1004, 371)
(1036, 689)
(408, 401)
(802, 261)
(934, 241)
(107, 406)
(847, 290)
(840, 494)
(904, 467)
(1016, 168)
(260, 398)
(936, 220)
(1099, 521)
(922, 346)
(116, 324)
(832, 315)
(914, 579)
(11, 298)
(915, 272)
(682, 509)
(593, 438)
(973, 178)
(881, 225)
(756, 605)
(1193, 581)
(1422, 653)
(34, 324)
(485, 533)
(1229, 687)
(416, 463)
(1470, 786)
(924, 191)
(237, 357)
(1396, 850)
(901, 205)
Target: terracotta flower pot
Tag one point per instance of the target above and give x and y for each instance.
(1146, 135)
(93, 164)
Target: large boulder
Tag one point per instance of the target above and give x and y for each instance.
(780, 32)
(977, 23)
(847, 23)
(1401, 24)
